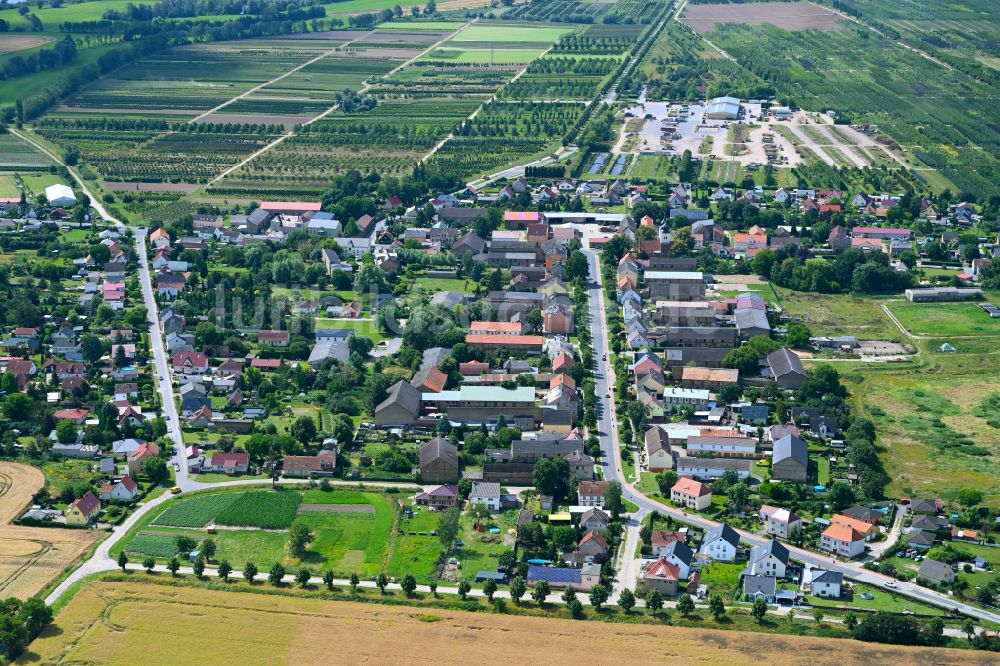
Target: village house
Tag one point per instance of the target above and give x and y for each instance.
(591, 493)
(322, 464)
(125, 490)
(83, 511)
(691, 494)
(486, 493)
(842, 540)
(720, 543)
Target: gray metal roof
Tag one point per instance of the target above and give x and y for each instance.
(765, 585)
(784, 362)
(792, 447)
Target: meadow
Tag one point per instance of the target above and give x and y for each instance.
(944, 319)
(839, 314)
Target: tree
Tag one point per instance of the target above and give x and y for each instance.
(626, 600)
(122, 560)
(173, 565)
(480, 514)
(66, 432)
(818, 615)
(969, 629)
(490, 588)
(434, 588)
(185, 544)
(685, 605)
(463, 589)
(208, 549)
(328, 579)
(759, 609)
(199, 566)
(276, 574)
(575, 607)
(449, 523)
(798, 336)
(730, 393)
(654, 601)
(598, 595)
(886, 627)
(967, 497)
(613, 499)
(841, 495)
(666, 480)
(91, 347)
(540, 592)
(716, 606)
(569, 595)
(354, 580)
(381, 581)
(304, 429)
(303, 576)
(225, 568)
(517, 589)
(156, 470)
(738, 495)
(551, 476)
(409, 584)
(250, 572)
(149, 563)
(300, 536)
(850, 620)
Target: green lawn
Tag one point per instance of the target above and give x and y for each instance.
(417, 549)
(433, 285)
(722, 577)
(944, 319)
(480, 550)
(884, 600)
(366, 327)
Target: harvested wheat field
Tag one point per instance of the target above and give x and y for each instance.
(31, 557)
(786, 15)
(125, 623)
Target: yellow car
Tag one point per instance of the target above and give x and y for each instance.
(175, 490)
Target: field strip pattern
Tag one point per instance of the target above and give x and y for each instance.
(283, 137)
(253, 90)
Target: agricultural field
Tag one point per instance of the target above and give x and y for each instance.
(15, 43)
(120, 623)
(18, 155)
(703, 18)
(845, 71)
(506, 133)
(32, 557)
(622, 14)
(563, 78)
(352, 528)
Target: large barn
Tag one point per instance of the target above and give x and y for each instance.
(723, 108)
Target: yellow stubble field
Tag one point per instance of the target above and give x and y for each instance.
(114, 622)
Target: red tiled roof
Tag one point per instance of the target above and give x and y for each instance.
(689, 486)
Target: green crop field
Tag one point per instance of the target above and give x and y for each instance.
(350, 542)
(483, 56)
(262, 508)
(196, 511)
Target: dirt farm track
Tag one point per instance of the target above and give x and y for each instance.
(31, 557)
(124, 623)
(787, 15)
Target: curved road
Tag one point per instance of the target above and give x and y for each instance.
(608, 433)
